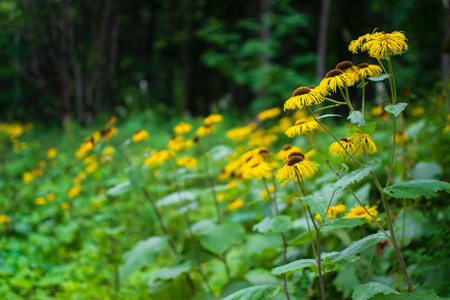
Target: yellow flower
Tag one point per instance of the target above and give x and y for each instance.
(380, 112)
(297, 163)
(52, 152)
(89, 159)
(337, 79)
(108, 151)
(235, 204)
(265, 193)
(213, 118)
(364, 142)
(261, 138)
(284, 152)
(27, 177)
(269, 114)
(108, 132)
(356, 45)
(302, 126)
(40, 201)
(182, 128)
(348, 68)
(360, 212)
(258, 170)
(365, 70)
(91, 167)
(65, 205)
(111, 120)
(74, 191)
(80, 176)
(337, 150)
(37, 172)
(220, 197)
(305, 96)
(401, 137)
(177, 143)
(140, 135)
(417, 111)
(240, 134)
(41, 164)
(332, 212)
(85, 147)
(50, 196)
(380, 45)
(158, 157)
(188, 162)
(4, 219)
(205, 129)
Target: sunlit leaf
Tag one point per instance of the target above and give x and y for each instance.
(415, 188)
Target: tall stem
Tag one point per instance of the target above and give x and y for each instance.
(363, 95)
(277, 211)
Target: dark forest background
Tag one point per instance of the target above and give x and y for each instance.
(63, 60)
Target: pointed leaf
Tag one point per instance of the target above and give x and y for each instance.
(353, 177)
(318, 203)
(328, 116)
(368, 290)
(415, 188)
(276, 224)
(356, 117)
(341, 223)
(379, 77)
(396, 109)
(358, 246)
(255, 293)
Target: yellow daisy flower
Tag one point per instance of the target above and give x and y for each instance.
(269, 114)
(335, 79)
(140, 135)
(285, 151)
(213, 118)
(258, 170)
(235, 204)
(305, 96)
(297, 162)
(380, 45)
(364, 142)
(302, 126)
(337, 150)
(240, 134)
(365, 70)
(52, 152)
(360, 212)
(332, 212)
(348, 68)
(356, 45)
(188, 162)
(182, 128)
(205, 129)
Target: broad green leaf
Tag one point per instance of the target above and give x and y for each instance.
(220, 238)
(415, 188)
(341, 223)
(328, 116)
(379, 77)
(275, 224)
(143, 253)
(295, 266)
(255, 293)
(119, 189)
(347, 279)
(359, 246)
(414, 295)
(175, 198)
(368, 290)
(356, 117)
(317, 203)
(353, 177)
(395, 109)
(172, 272)
(369, 128)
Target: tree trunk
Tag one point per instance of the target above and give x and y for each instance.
(322, 39)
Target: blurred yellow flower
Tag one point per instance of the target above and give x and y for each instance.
(418, 111)
(401, 137)
(182, 128)
(213, 118)
(205, 129)
(220, 197)
(4, 220)
(108, 132)
(265, 193)
(269, 114)
(158, 157)
(40, 201)
(50, 196)
(52, 152)
(74, 191)
(258, 170)
(111, 120)
(140, 135)
(360, 212)
(27, 177)
(188, 162)
(108, 151)
(240, 134)
(91, 167)
(37, 172)
(65, 205)
(235, 204)
(332, 212)
(177, 143)
(41, 164)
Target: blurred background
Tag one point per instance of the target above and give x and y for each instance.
(74, 61)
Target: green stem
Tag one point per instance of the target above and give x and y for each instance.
(363, 96)
(334, 101)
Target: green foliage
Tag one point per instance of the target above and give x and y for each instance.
(254, 293)
(275, 224)
(295, 266)
(416, 188)
(368, 290)
(358, 246)
(354, 176)
(219, 238)
(395, 109)
(356, 117)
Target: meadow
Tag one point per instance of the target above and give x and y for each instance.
(327, 196)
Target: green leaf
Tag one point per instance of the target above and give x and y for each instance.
(119, 189)
(415, 295)
(276, 224)
(255, 293)
(317, 203)
(379, 77)
(347, 279)
(353, 177)
(135, 176)
(342, 223)
(356, 117)
(358, 246)
(415, 188)
(172, 272)
(220, 238)
(303, 238)
(327, 107)
(175, 198)
(395, 109)
(143, 253)
(328, 116)
(369, 128)
(295, 266)
(368, 290)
